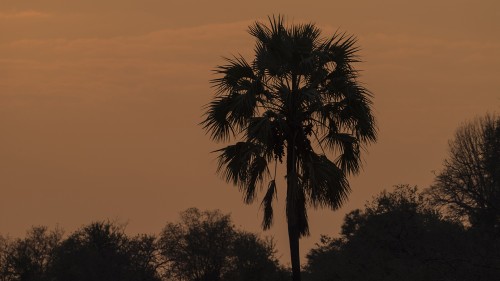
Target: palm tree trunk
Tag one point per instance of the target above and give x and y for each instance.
(291, 210)
(293, 236)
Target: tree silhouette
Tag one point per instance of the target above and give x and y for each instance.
(401, 236)
(253, 259)
(469, 185)
(205, 246)
(300, 92)
(102, 251)
(196, 248)
(27, 259)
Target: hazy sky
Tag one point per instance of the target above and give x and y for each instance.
(100, 101)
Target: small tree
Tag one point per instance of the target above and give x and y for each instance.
(102, 251)
(196, 248)
(205, 246)
(27, 259)
(253, 259)
(469, 185)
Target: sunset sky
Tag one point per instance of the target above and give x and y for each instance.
(100, 103)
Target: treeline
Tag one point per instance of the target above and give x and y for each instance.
(400, 235)
(203, 245)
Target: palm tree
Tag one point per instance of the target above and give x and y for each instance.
(299, 94)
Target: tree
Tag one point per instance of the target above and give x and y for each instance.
(196, 248)
(27, 259)
(102, 251)
(144, 257)
(299, 92)
(253, 259)
(4, 246)
(205, 246)
(469, 185)
(400, 236)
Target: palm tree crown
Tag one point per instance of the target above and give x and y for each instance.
(298, 98)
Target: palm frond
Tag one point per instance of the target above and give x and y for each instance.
(296, 211)
(305, 40)
(236, 71)
(349, 160)
(242, 108)
(234, 161)
(267, 203)
(261, 32)
(273, 52)
(310, 98)
(342, 49)
(269, 131)
(302, 214)
(357, 112)
(337, 141)
(245, 165)
(216, 122)
(351, 111)
(256, 171)
(324, 182)
(260, 128)
(241, 91)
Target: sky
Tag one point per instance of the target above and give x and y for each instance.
(100, 103)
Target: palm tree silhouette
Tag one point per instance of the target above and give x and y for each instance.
(300, 93)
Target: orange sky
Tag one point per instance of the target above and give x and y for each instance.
(100, 101)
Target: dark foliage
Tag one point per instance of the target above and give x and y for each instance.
(400, 237)
(101, 251)
(205, 246)
(28, 259)
(469, 185)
